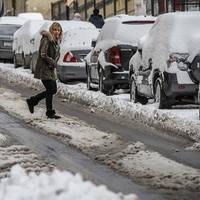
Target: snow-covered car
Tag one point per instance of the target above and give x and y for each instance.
(8, 26)
(66, 25)
(31, 15)
(166, 64)
(76, 44)
(23, 38)
(108, 63)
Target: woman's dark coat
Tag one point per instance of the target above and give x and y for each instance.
(47, 57)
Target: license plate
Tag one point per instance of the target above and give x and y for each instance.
(7, 44)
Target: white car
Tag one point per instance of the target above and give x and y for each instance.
(76, 44)
(166, 65)
(8, 26)
(66, 25)
(23, 38)
(108, 62)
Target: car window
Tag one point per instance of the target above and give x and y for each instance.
(7, 29)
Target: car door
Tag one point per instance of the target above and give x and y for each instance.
(144, 73)
(93, 65)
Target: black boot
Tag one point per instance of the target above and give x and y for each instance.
(52, 114)
(31, 103)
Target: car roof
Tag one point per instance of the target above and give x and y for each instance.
(128, 18)
(12, 20)
(31, 15)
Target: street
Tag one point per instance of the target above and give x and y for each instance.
(129, 148)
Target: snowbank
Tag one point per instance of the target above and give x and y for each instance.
(183, 122)
(55, 186)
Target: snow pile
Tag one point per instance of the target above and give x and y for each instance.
(55, 186)
(182, 122)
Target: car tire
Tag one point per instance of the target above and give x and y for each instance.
(102, 88)
(101, 84)
(15, 62)
(134, 96)
(160, 97)
(31, 65)
(88, 79)
(133, 91)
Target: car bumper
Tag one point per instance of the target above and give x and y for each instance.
(118, 80)
(174, 89)
(6, 54)
(71, 72)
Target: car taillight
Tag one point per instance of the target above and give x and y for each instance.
(69, 57)
(114, 56)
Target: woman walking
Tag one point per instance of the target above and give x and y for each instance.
(49, 53)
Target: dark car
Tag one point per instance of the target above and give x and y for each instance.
(107, 64)
(8, 26)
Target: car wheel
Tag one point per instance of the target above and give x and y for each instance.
(108, 90)
(101, 84)
(160, 97)
(31, 65)
(134, 97)
(15, 62)
(88, 80)
(133, 92)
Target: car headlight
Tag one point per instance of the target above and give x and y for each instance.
(180, 59)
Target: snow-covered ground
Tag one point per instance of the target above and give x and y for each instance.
(133, 159)
(182, 121)
(53, 186)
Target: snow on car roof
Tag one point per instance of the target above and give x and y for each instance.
(126, 18)
(12, 20)
(125, 29)
(181, 31)
(69, 24)
(29, 28)
(79, 37)
(31, 15)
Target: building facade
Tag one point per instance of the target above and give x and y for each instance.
(112, 7)
(42, 6)
(13, 7)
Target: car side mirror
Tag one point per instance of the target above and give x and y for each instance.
(94, 43)
(140, 51)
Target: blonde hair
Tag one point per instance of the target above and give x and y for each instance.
(56, 25)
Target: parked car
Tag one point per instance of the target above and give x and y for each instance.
(76, 44)
(166, 64)
(31, 15)
(108, 63)
(66, 25)
(22, 42)
(8, 26)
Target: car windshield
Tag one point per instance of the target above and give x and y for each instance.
(8, 29)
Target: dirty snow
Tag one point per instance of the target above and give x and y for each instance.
(133, 159)
(12, 154)
(178, 121)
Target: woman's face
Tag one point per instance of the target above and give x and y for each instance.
(56, 33)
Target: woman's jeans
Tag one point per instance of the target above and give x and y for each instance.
(51, 89)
